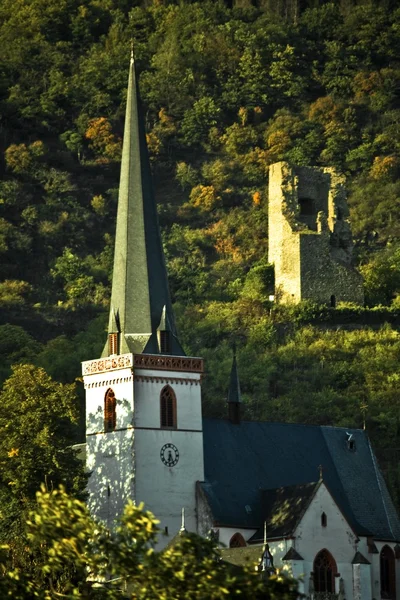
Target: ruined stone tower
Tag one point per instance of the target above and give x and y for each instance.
(310, 241)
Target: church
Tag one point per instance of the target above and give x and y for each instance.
(315, 493)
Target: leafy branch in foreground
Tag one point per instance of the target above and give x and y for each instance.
(82, 559)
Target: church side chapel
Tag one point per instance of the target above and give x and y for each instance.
(310, 500)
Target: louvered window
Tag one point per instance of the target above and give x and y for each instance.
(112, 343)
(168, 408)
(110, 417)
(164, 341)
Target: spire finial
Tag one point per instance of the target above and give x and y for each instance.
(321, 468)
(265, 533)
(183, 530)
(132, 52)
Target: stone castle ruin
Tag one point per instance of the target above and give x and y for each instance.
(310, 241)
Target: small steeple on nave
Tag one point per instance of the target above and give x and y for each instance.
(144, 439)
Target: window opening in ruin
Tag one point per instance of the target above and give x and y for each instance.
(324, 572)
(110, 415)
(237, 541)
(333, 301)
(388, 574)
(168, 408)
(306, 207)
(324, 520)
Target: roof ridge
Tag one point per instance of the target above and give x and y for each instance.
(291, 424)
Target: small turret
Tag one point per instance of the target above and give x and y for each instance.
(266, 566)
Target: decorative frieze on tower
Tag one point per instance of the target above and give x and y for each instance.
(144, 438)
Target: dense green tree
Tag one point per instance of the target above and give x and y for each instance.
(123, 564)
(38, 421)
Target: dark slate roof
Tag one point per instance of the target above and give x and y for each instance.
(292, 554)
(139, 285)
(241, 460)
(282, 509)
(359, 559)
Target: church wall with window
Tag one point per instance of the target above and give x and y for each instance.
(331, 534)
(152, 470)
(111, 483)
(387, 572)
(226, 534)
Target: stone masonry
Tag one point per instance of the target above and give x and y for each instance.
(310, 241)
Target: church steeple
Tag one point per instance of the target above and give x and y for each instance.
(140, 298)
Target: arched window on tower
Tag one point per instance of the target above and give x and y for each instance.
(168, 408)
(324, 572)
(388, 574)
(237, 541)
(110, 416)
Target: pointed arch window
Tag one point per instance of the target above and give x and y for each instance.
(237, 541)
(324, 520)
(324, 572)
(388, 574)
(110, 414)
(168, 408)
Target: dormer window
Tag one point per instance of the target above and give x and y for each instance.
(168, 408)
(351, 443)
(324, 520)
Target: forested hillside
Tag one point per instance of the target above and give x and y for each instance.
(229, 88)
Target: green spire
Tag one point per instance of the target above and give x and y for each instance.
(140, 286)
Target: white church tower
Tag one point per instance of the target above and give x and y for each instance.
(144, 437)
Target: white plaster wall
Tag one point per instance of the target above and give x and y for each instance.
(376, 575)
(337, 537)
(96, 386)
(362, 582)
(126, 463)
(166, 490)
(188, 399)
(278, 550)
(375, 566)
(225, 534)
(111, 483)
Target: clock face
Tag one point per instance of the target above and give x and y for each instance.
(169, 455)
